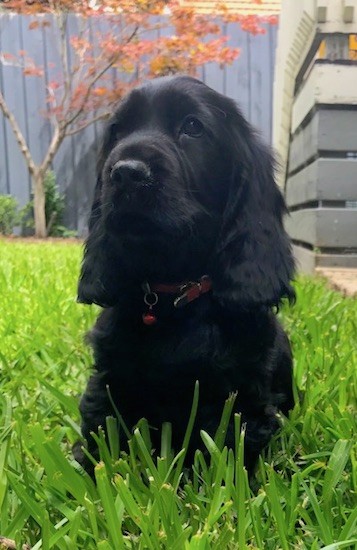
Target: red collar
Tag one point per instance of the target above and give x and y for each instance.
(186, 293)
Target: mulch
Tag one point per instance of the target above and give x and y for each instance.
(342, 279)
(35, 240)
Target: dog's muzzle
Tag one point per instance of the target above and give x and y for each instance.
(131, 174)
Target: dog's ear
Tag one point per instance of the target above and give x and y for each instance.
(253, 264)
(95, 212)
(99, 277)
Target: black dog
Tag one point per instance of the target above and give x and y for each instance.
(187, 254)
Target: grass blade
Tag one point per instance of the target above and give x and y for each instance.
(221, 433)
(335, 467)
(107, 499)
(188, 434)
(277, 510)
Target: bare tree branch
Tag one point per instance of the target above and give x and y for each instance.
(18, 135)
(103, 116)
(62, 25)
(91, 84)
(57, 138)
(94, 80)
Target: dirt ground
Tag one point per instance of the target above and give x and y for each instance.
(35, 240)
(342, 279)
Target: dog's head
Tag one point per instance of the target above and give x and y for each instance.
(185, 188)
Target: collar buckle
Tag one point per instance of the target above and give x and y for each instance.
(192, 290)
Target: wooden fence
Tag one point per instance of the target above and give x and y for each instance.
(249, 81)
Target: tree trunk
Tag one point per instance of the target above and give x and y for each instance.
(39, 204)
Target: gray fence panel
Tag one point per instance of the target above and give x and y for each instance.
(213, 75)
(63, 163)
(237, 83)
(14, 91)
(38, 125)
(75, 143)
(261, 81)
(4, 179)
(248, 81)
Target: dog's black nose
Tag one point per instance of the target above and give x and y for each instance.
(131, 173)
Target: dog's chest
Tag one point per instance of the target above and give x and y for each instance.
(220, 353)
(153, 370)
(190, 350)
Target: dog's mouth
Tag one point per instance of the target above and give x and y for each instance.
(134, 225)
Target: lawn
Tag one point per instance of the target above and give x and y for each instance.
(304, 495)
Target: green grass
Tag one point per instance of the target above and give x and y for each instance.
(306, 482)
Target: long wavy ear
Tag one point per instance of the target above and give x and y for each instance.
(99, 277)
(253, 264)
(95, 212)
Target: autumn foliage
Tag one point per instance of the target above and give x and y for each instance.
(184, 41)
(136, 39)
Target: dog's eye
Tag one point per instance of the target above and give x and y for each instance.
(192, 127)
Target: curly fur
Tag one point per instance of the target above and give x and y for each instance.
(196, 196)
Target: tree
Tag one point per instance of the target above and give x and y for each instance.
(82, 92)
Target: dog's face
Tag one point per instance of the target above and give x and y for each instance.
(164, 179)
(184, 188)
(164, 158)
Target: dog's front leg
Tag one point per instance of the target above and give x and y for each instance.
(94, 407)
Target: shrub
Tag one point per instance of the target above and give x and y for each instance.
(54, 208)
(9, 215)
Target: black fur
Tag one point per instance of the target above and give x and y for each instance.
(186, 188)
